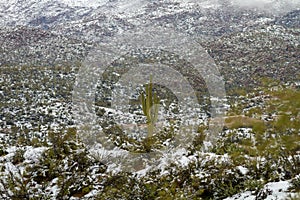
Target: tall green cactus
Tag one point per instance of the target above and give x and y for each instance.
(150, 105)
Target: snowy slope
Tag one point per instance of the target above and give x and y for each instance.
(85, 3)
(45, 13)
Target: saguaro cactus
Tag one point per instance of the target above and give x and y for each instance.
(150, 106)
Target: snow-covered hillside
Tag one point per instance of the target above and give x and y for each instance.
(46, 13)
(46, 46)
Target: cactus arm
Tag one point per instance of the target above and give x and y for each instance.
(143, 102)
(150, 105)
(148, 99)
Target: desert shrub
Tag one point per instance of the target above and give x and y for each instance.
(295, 184)
(120, 186)
(3, 152)
(223, 180)
(18, 156)
(13, 187)
(254, 185)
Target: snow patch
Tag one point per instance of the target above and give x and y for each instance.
(276, 190)
(243, 170)
(34, 154)
(85, 3)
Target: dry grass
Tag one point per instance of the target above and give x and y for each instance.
(240, 121)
